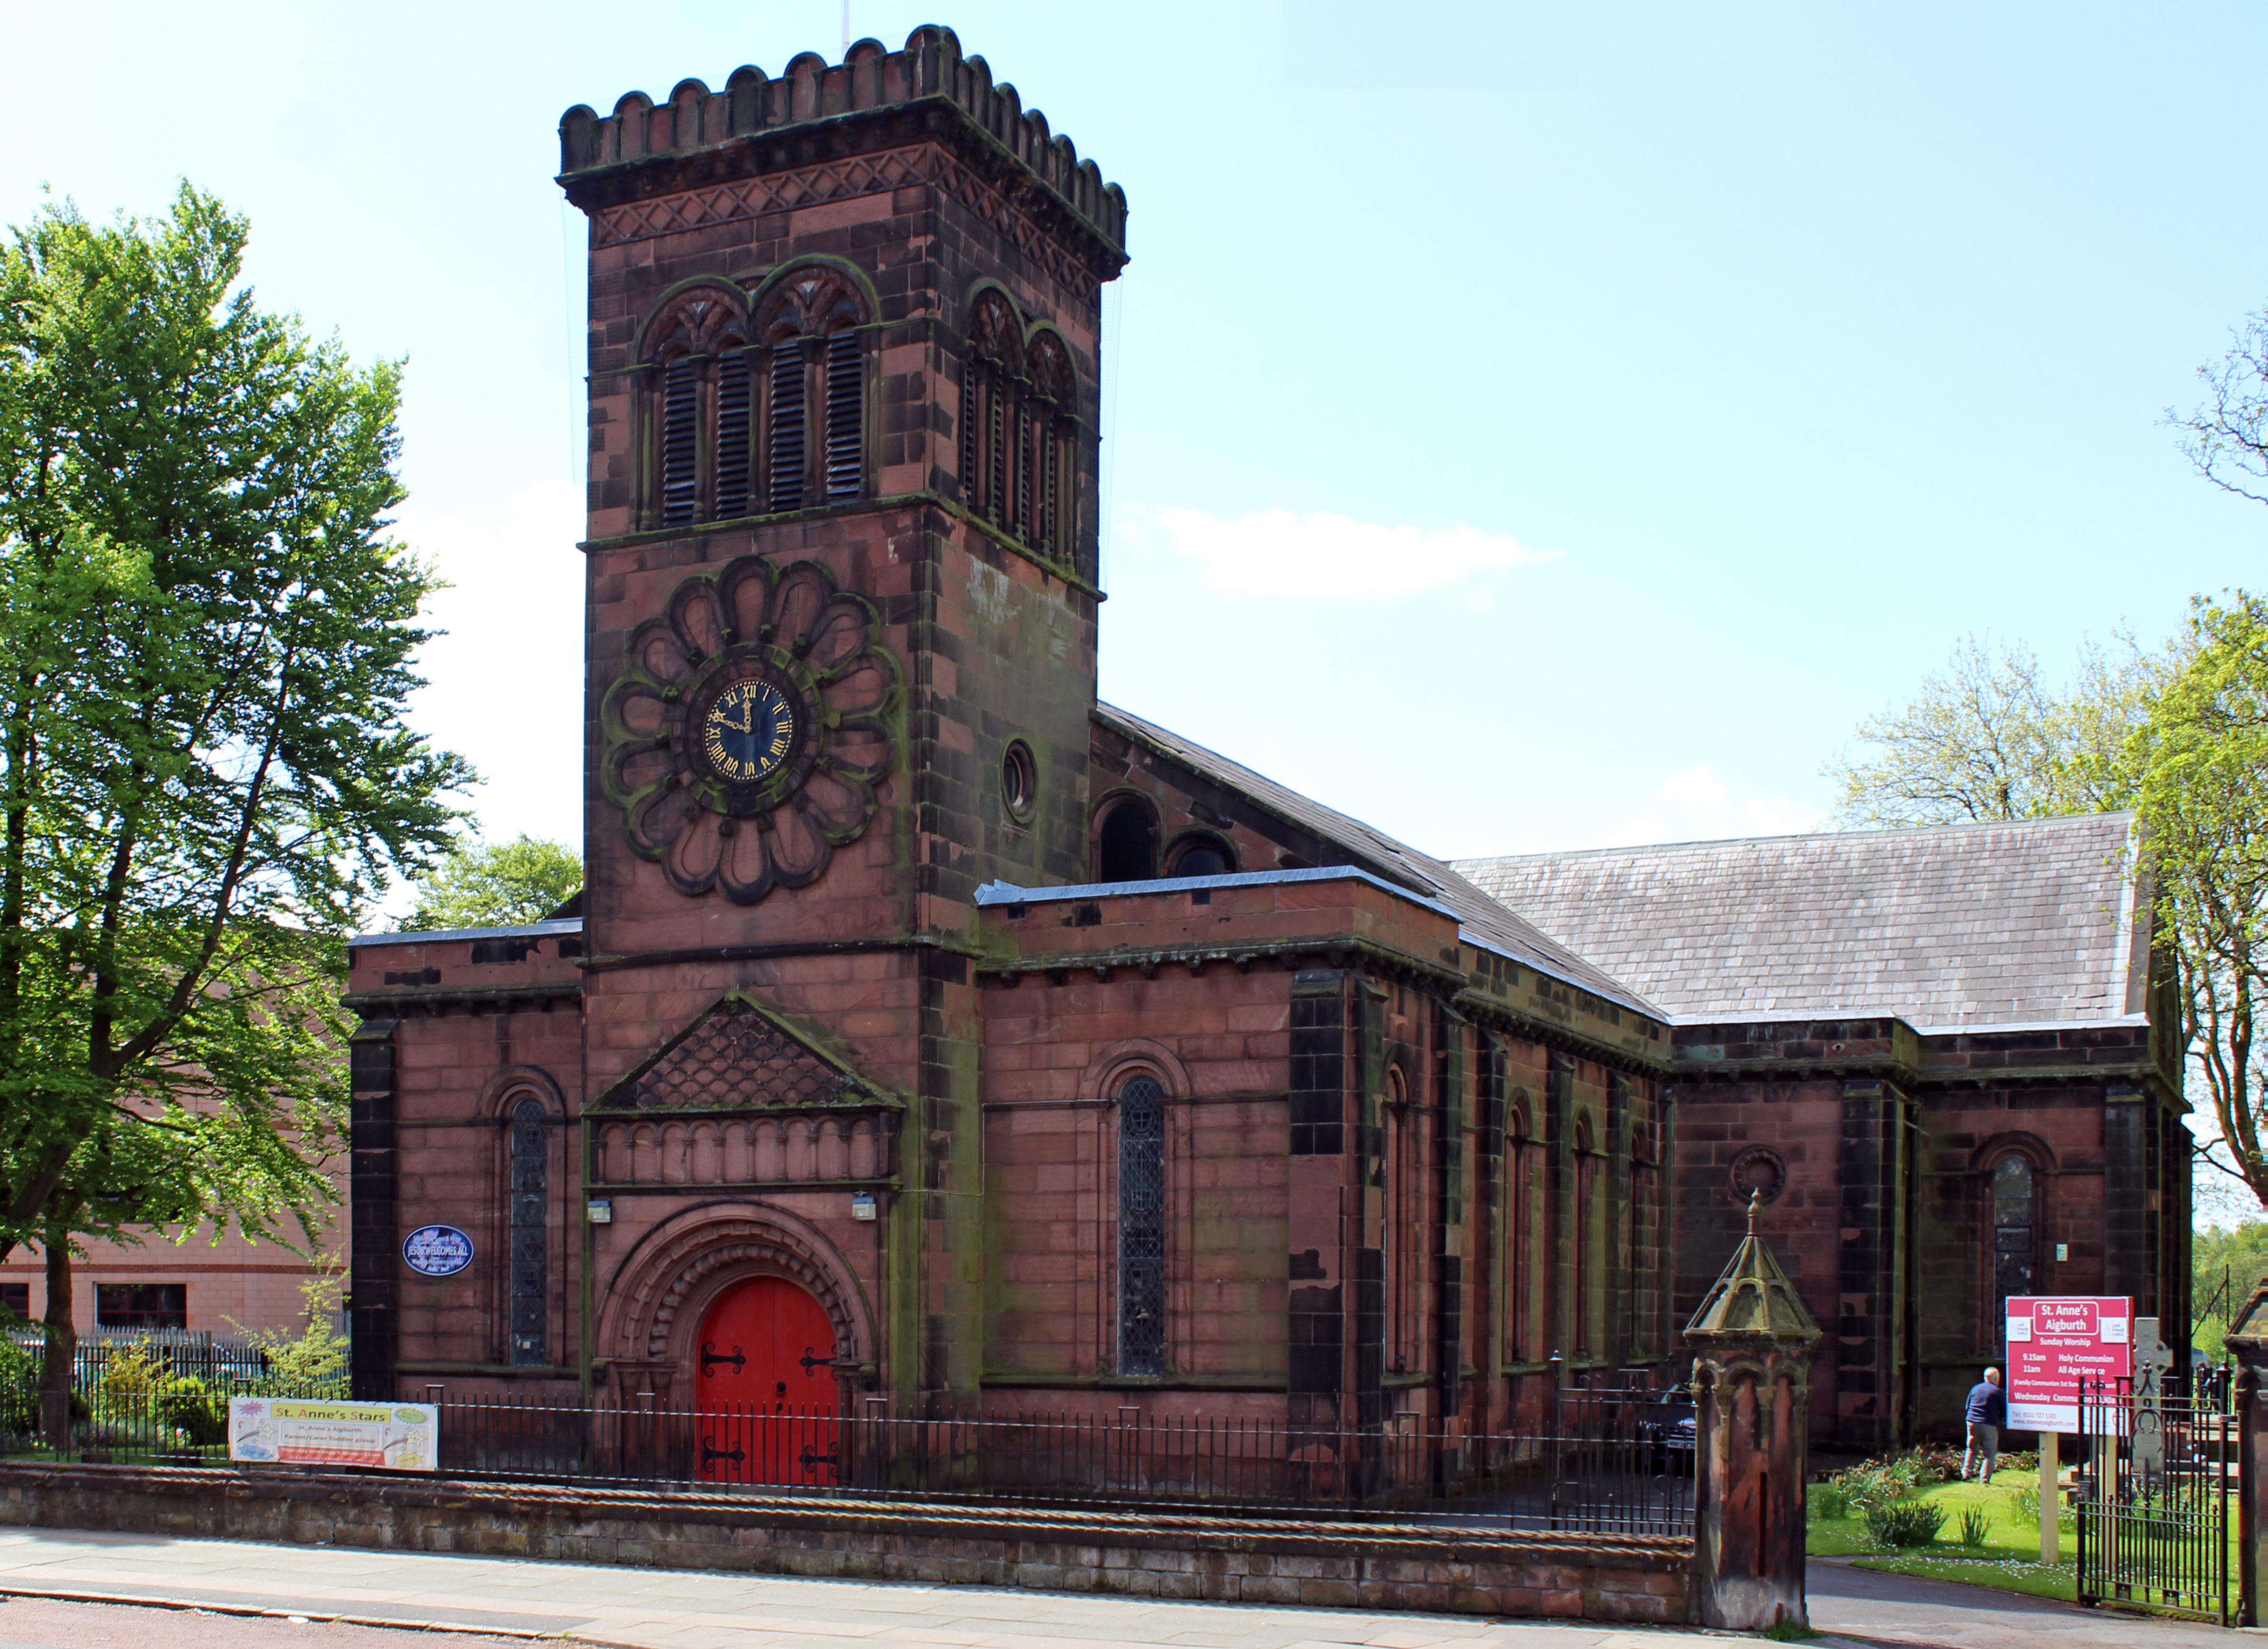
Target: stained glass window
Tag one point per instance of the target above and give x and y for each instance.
(531, 1172)
(1142, 1227)
(2013, 1219)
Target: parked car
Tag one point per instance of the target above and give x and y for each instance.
(1668, 1428)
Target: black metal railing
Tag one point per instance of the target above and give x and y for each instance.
(222, 1363)
(181, 1426)
(1612, 1461)
(1599, 1461)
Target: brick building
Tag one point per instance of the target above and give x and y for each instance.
(930, 1035)
(1944, 1057)
(199, 1282)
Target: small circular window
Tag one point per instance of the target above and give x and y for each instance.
(1019, 778)
(1759, 1171)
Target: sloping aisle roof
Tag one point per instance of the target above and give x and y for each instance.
(2030, 922)
(1484, 922)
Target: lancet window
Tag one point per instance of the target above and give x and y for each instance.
(1586, 1220)
(1018, 428)
(1142, 1227)
(757, 414)
(528, 1152)
(1404, 1214)
(1637, 1234)
(1520, 1154)
(2015, 1226)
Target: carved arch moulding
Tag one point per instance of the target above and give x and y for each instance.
(810, 297)
(1138, 1056)
(774, 659)
(698, 317)
(661, 1291)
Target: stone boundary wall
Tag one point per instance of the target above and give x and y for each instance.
(1370, 1565)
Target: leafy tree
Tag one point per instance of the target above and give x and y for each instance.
(2224, 1264)
(2202, 761)
(1988, 738)
(497, 885)
(205, 646)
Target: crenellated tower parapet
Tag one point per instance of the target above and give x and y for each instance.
(874, 99)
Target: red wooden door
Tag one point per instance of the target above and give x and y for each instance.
(764, 1391)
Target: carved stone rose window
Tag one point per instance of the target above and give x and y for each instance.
(752, 722)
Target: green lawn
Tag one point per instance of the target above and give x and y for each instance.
(2008, 1557)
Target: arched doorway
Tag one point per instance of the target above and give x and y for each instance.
(764, 1391)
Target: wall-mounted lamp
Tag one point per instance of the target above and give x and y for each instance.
(599, 1211)
(862, 1205)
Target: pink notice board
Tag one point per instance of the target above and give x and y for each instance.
(2056, 1342)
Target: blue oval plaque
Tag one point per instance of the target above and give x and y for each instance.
(436, 1250)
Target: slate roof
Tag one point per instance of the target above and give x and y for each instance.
(2025, 924)
(1482, 921)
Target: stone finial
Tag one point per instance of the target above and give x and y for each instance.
(1751, 1341)
(1752, 1299)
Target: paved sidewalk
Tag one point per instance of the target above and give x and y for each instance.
(665, 1608)
(496, 1600)
(39, 1622)
(1897, 1608)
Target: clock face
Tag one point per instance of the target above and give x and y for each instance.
(748, 732)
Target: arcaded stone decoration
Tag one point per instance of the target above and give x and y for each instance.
(753, 721)
(1759, 1171)
(763, 1149)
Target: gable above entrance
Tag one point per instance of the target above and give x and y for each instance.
(743, 1054)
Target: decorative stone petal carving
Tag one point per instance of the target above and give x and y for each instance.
(821, 647)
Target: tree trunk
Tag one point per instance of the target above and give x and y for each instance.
(61, 1344)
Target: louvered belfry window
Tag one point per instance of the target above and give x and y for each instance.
(846, 424)
(762, 412)
(784, 451)
(1142, 1227)
(681, 441)
(733, 454)
(530, 1313)
(1017, 423)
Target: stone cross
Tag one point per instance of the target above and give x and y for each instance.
(2153, 1360)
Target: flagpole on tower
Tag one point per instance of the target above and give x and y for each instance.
(846, 27)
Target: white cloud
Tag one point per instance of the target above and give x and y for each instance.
(1274, 552)
(505, 683)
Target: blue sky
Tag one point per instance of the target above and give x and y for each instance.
(1528, 425)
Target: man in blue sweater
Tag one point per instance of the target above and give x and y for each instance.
(1988, 1412)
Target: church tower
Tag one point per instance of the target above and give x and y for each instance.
(844, 334)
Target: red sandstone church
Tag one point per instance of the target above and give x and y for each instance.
(933, 1037)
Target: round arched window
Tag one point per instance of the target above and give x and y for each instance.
(1203, 854)
(1126, 846)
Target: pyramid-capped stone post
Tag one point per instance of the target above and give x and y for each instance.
(2247, 1341)
(1751, 1343)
